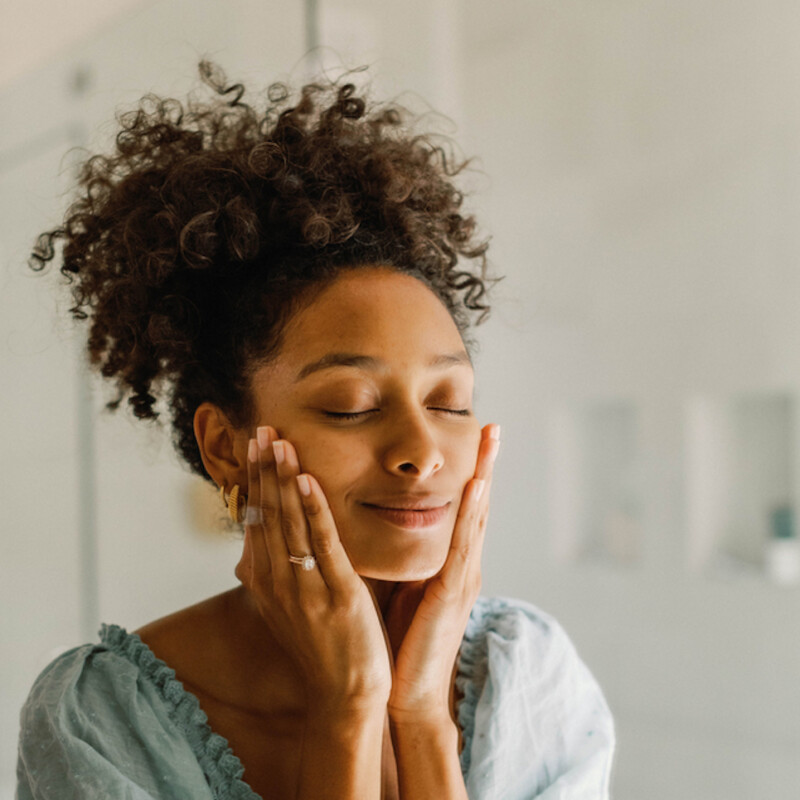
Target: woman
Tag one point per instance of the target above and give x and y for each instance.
(292, 283)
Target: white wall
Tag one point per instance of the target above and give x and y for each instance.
(35, 31)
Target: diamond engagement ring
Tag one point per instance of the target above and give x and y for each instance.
(306, 562)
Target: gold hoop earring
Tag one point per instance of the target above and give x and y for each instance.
(234, 503)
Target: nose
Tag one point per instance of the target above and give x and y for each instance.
(412, 449)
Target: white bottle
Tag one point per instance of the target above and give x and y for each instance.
(783, 548)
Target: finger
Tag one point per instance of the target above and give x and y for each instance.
(485, 471)
(293, 517)
(334, 565)
(255, 557)
(270, 505)
(492, 430)
(487, 451)
(486, 466)
(466, 543)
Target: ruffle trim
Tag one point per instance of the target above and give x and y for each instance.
(472, 669)
(222, 768)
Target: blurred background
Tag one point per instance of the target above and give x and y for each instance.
(639, 173)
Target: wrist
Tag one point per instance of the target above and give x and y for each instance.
(430, 722)
(431, 710)
(329, 704)
(345, 716)
(342, 752)
(428, 755)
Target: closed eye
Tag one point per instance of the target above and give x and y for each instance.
(345, 415)
(348, 414)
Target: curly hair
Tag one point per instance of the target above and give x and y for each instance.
(212, 223)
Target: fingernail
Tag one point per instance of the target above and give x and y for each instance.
(252, 450)
(277, 448)
(494, 432)
(304, 485)
(479, 489)
(262, 434)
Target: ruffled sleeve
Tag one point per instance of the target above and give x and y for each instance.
(534, 721)
(111, 720)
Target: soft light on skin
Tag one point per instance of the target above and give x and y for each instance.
(410, 442)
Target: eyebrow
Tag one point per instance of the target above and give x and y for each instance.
(373, 364)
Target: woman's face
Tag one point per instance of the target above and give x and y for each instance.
(379, 346)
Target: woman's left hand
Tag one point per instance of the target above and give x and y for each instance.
(425, 660)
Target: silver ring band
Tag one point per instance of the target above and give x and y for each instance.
(306, 562)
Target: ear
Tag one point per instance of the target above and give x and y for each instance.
(223, 447)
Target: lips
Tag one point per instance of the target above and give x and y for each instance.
(422, 516)
(416, 502)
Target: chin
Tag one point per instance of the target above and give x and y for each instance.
(406, 572)
(393, 555)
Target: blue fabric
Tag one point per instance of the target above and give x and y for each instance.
(534, 720)
(111, 720)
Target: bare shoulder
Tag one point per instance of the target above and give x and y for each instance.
(226, 659)
(203, 613)
(197, 641)
(224, 653)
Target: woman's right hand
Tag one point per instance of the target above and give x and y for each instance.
(325, 618)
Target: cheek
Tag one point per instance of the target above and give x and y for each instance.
(335, 461)
(464, 452)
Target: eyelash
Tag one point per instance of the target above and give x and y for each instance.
(345, 415)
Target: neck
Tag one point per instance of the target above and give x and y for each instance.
(382, 591)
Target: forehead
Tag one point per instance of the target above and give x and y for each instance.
(374, 311)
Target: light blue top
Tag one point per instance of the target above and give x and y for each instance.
(111, 720)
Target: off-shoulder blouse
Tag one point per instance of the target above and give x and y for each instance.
(111, 720)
